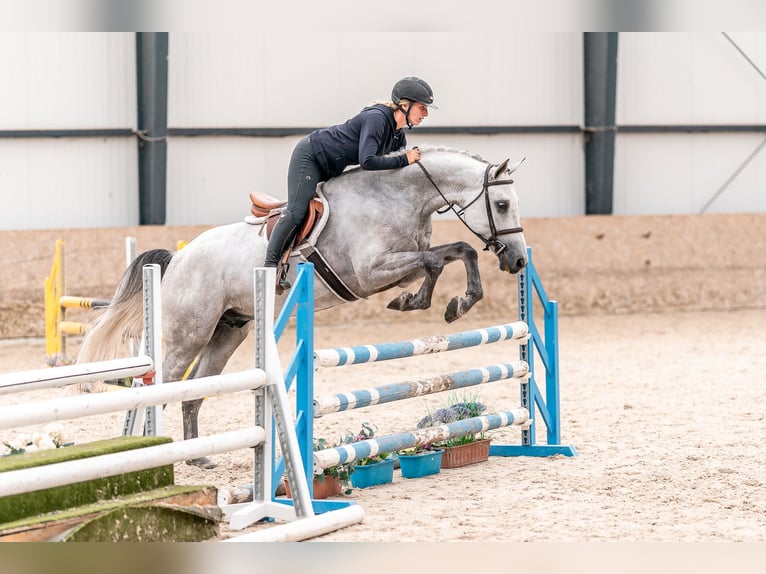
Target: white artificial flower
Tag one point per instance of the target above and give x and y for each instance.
(24, 439)
(31, 448)
(16, 445)
(56, 432)
(45, 442)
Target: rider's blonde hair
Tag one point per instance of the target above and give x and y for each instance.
(387, 103)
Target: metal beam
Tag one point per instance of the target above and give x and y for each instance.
(600, 71)
(449, 130)
(152, 83)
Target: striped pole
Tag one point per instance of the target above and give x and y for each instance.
(73, 327)
(70, 302)
(417, 387)
(394, 442)
(74, 374)
(422, 346)
(137, 397)
(72, 471)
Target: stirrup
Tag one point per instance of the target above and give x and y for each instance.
(282, 282)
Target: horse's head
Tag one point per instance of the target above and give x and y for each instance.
(492, 213)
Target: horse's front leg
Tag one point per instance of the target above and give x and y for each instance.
(434, 260)
(459, 306)
(431, 266)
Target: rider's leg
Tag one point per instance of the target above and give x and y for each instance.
(303, 175)
(281, 236)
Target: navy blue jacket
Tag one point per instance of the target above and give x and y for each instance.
(362, 141)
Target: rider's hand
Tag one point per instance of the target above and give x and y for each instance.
(413, 155)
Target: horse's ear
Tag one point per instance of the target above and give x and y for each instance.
(503, 167)
(499, 170)
(510, 168)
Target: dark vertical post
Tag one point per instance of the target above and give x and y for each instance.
(152, 83)
(600, 70)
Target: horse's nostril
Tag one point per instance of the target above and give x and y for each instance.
(520, 263)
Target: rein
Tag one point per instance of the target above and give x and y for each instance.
(491, 243)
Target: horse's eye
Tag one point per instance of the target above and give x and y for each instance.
(502, 205)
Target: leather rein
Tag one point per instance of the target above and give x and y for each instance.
(491, 243)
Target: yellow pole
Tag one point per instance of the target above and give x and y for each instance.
(53, 286)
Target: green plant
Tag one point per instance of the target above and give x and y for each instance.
(458, 408)
(342, 471)
(367, 432)
(417, 449)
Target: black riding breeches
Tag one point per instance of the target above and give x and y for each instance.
(303, 175)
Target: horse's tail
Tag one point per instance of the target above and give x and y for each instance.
(122, 320)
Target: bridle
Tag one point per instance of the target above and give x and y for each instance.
(491, 243)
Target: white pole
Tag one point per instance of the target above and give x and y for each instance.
(134, 398)
(61, 376)
(130, 250)
(73, 471)
(152, 341)
(305, 528)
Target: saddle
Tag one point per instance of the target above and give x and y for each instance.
(266, 209)
(266, 206)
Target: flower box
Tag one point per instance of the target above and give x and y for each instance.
(421, 464)
(324, 487)
(373, 474)
(464, 454)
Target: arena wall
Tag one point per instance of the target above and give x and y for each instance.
(591, 265)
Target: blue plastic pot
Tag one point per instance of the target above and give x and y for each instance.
(421, 464)
(373, 474)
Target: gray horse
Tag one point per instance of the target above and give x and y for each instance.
(376, 236)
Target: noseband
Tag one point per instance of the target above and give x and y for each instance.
(491, 243)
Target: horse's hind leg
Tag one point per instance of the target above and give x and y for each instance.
(212, 360)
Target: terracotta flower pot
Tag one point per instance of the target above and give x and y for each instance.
(464, 454)
(323, 488)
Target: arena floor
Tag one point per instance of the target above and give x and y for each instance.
(666, 412)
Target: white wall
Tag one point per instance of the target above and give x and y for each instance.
(66, 182)
(67, 81)
(273, 80)
(690, 79)
(240, 80)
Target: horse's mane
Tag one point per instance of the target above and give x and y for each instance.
(425, 149)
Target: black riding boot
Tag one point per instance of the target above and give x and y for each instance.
(281, 236)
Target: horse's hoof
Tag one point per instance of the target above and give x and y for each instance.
(281, 489)
(402, 303)
(202, 462)
(456, 308)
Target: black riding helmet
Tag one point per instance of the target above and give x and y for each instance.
(415, 90)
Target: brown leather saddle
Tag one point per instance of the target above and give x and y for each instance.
(265, 205)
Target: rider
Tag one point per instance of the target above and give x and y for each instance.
(362, 140)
